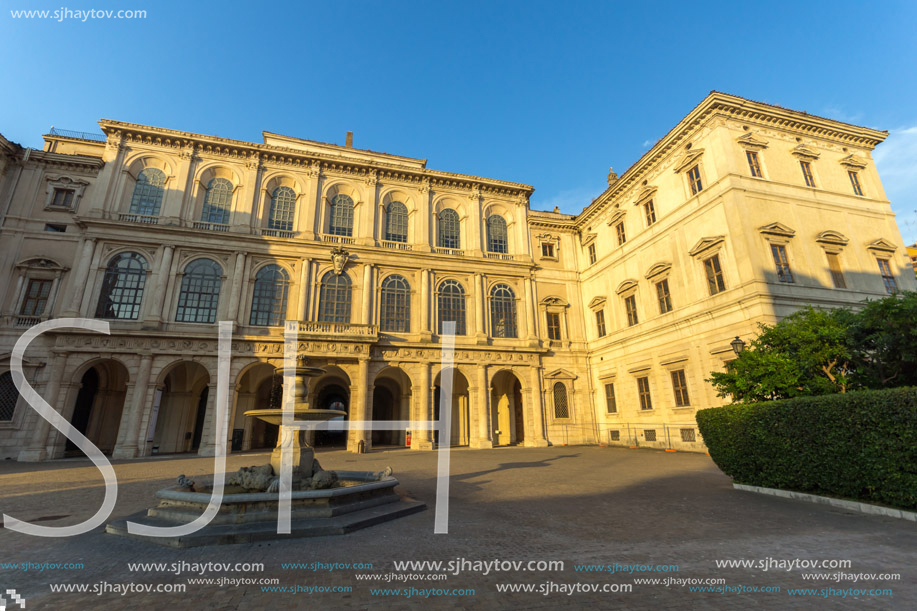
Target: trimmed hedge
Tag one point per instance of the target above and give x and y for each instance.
(858, 445)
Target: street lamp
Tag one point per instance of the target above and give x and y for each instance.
(738, 346)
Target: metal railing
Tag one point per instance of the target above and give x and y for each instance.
(66, 133)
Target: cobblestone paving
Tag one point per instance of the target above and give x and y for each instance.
(580, 505)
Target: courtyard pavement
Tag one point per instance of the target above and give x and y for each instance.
(579, 505)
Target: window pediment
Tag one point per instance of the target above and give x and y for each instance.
(617, 216)
(658, 269)
(707, 244)
(597, 303)
(560, 374)
(777, 229)
(554, 302)
(627, 285)
(853, 162)
(805, 153)
(689, 159)
(832, 238)
(882, 245)
(588, 238)
(752, 142)
(647, 193)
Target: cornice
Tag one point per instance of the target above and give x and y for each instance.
(237, 150)
(62, 160)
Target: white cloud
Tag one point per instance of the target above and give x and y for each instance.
(896, 160)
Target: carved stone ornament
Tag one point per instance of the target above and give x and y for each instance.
(339, 258)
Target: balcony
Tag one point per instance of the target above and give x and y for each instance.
(456, 252)
(143, 219)
(337, 239)
(218, 227)
(341, 330)
(276, 233)
(499, 255)
(395, 245)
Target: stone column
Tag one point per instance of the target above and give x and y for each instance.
(359, 409)
(423, 440)
(304, 289)
(367, 316)
(423, 237)
(37, 449)
(238, 271)
(424, 303)
(480, 325)
(130, 419)
(78, 278)
(244, 293)
(531, 332)
(538, 439)
(481, 434)
(158, 292)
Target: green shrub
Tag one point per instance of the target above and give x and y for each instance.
(858, 445)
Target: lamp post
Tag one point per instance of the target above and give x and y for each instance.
(738, 346)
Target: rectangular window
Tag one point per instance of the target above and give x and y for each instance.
(649, 434)
(36, 297)
(600, 322)
(715, 282)
(630, 304)
(680, 386)
(753, 164)
(807, 173)
(643, 389)
(614, 435)
(547, 249)
(553, 325)
(55, 228)
(619, 230)
(663, 296)
(649, 210)
(688, 436)
(855, 182)
(611, 405)
(63, 198)
(591, 254)
(694, 180)
(834, 264)
(782, 262)
(887, 276)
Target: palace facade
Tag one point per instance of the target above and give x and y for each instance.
(596, 328)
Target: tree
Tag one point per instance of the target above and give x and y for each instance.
(806, 353)
(883, 340)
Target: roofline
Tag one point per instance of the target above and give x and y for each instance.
(736, 105)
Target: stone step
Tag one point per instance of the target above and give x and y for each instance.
(229, 534)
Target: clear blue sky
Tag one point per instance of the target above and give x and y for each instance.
(546, 93)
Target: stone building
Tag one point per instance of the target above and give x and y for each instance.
(594, 328)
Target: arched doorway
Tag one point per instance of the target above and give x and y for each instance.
(99, 405)
(461, 420)
(391, 401)
(182, 398)
(508, 421)
(330, 391)
(256, 391)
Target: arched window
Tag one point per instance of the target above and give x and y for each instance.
(334, 299)
(502, 311)
(496, 234)
(341, 222)
(450, 301)
(200, 292)
(449, 231)
(122, 287)
(9, 396)
(561, 410)
(396, 223)
(395, 305)
(283, 203)
(148, 192)
(269, 299)
(218, 202)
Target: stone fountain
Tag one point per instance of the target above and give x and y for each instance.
(323, 502)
